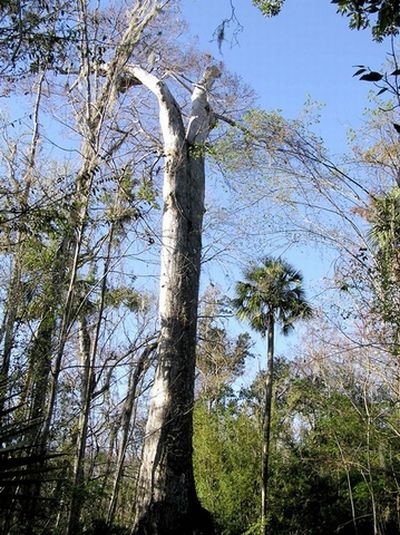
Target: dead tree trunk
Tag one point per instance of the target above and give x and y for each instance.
(167, 501)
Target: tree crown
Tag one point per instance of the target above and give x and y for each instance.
(270, 290)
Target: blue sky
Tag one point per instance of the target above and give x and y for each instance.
(308, 50)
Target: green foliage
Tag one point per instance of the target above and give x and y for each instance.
(334, 443)
(34, 34)
(269, 8)
(124, 296)
(245, 146)
(147, 193)
(382, 15)
(324, 441)
(386, 83)
(226, 463)
(220, 359)
(385, 239)
(274, 288)
(385, 219)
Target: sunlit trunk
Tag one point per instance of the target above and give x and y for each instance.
(167, 501)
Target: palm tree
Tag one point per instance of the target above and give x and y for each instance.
(270, 293)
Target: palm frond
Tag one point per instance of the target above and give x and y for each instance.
(271, 286)
(22, 465)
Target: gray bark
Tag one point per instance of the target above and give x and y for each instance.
(167, 502)
(85, 344)
(88, 358)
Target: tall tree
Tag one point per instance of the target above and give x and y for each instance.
(270, 293)
(49, 308)
(167, 501)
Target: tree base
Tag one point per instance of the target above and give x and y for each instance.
(160, 519)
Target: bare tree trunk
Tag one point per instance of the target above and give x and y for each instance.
(349, 487)
(86, 396)
(40, 365)
(126, 424)
(267, 422)
(13, 303)
(370, 482)
(89, 355)
(36, 387)
(167, 502)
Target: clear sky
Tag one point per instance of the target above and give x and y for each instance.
(308, 50)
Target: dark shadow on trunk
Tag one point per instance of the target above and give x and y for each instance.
(160, 519)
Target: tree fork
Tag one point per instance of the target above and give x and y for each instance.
(167, 502)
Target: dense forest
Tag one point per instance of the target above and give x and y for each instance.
(135, 170)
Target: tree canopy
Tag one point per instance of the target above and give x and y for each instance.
(271, 288)
(35, 34)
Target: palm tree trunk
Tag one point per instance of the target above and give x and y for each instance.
(267, 420)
